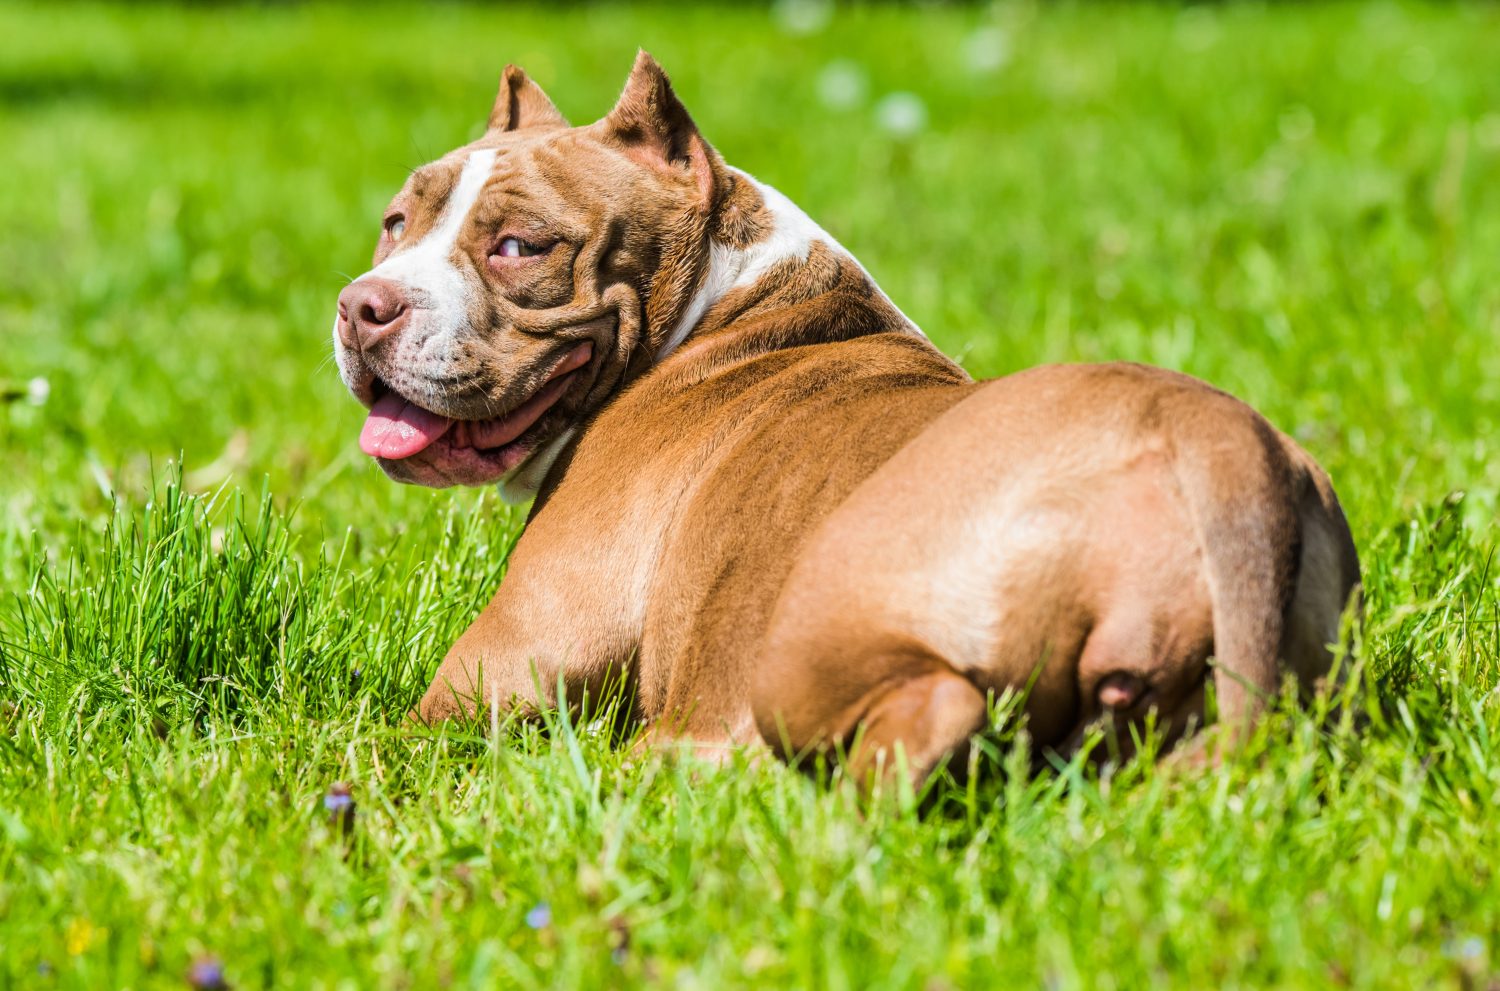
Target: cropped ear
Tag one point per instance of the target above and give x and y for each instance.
(650, 124)
(521, 104)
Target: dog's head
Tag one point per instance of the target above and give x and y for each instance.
(520, 281)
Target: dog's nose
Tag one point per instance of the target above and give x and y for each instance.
(371, 309)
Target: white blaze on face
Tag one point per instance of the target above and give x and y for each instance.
(437, 287)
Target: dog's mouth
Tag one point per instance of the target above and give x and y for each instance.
(398, 430)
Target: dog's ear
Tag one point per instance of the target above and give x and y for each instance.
(521, 104)
(653, 127)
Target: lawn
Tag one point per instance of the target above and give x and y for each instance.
(212, 609)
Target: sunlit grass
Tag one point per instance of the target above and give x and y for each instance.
(1299, 204)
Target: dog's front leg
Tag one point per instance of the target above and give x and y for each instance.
(544, 624)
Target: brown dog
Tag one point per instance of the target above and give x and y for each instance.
(768, 501)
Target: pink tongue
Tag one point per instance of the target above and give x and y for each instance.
(396, 429)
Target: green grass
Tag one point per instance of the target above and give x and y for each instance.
(1299, 204)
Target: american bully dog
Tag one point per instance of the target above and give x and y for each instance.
(766, 500)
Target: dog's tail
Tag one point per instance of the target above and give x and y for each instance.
(1243, 492)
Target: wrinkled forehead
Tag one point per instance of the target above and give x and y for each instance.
(565, 176)
(549, 170)
(432, 189)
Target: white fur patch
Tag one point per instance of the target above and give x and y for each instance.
(524, 480)
(724, 265)
(792, 235)
(427, 270)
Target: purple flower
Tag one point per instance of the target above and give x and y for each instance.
(339, 803)
(338, 799)
(207, 974)
(539, 917)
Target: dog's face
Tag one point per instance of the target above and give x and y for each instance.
(521, 280)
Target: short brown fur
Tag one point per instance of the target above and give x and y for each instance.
(806, 525)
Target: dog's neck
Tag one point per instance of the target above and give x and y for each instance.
(787, 282)
(773, 279)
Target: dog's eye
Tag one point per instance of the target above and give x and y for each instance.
(395, 226)
(514, 247)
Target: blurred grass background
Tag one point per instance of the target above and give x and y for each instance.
(1300, 204)
(1301, 208)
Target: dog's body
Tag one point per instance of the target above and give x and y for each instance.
(773, 505)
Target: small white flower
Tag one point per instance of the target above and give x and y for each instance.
(37, 391)
(842, 85)
(987, 49)
(901, 114)
(803, 16)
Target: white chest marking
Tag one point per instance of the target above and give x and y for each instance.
(526, 478)
(792, 235)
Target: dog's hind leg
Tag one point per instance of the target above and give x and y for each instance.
(884, 710)
(926, 721)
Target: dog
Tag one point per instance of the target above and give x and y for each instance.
(766, 501)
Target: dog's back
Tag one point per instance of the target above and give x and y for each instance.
(1090, 534)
